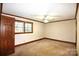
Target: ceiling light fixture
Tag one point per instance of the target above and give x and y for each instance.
(45, 21)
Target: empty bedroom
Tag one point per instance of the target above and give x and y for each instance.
(38, 29)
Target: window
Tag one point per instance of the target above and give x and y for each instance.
(28, 27)
(19, 27)
(23, 27)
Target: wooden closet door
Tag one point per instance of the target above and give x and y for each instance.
(7, 35)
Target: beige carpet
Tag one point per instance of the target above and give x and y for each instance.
(45, 47)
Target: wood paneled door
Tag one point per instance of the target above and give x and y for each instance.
(7, 35)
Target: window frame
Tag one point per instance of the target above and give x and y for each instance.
(24, 27)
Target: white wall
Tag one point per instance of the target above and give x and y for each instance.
(64, 30)
(38, 32)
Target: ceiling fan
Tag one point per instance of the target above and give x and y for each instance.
(48, 18)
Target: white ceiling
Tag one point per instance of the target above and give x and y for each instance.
(38, 11)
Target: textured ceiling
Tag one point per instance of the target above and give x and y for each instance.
(41, 11)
